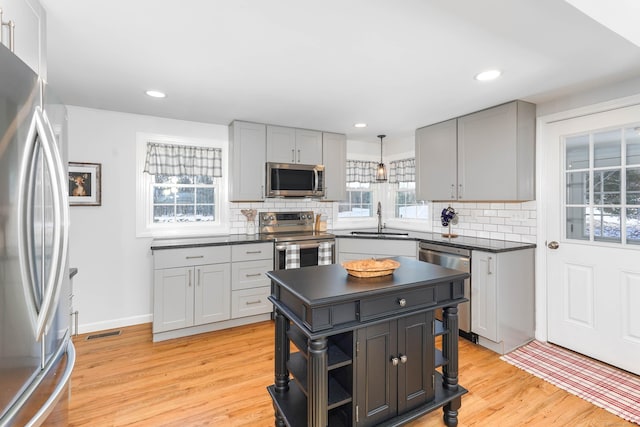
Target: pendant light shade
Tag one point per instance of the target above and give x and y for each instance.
(381, 171)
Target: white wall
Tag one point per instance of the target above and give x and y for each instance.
(113, 285)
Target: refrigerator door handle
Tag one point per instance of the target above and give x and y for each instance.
(41, 139)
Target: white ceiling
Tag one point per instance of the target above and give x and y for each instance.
(396, 65)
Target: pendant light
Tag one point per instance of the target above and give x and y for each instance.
(381, 171)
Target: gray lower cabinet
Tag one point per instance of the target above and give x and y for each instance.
(502, 298)
(387, 389)
(250, 288)
(189, 296)
(202, 289)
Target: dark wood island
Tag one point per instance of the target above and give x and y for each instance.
(366, 346)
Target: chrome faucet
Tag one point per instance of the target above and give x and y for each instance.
(379, 213)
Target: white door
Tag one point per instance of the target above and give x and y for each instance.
(592, 196)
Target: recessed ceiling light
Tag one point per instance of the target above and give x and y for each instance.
(360, 125)
(488, 75)
(156, 94)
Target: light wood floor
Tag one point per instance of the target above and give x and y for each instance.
(220, 379)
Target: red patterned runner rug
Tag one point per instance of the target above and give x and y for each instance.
(615, 390)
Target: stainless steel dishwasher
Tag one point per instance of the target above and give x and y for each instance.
(456, 259)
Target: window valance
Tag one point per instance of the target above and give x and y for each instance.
(402, 170)
(181, 160)
(361, 171)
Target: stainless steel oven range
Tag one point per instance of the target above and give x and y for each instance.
(289, 228)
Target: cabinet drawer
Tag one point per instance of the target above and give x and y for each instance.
(170, 258)
(250, 274)
(249, 302)
(385, 305)
(252, 252)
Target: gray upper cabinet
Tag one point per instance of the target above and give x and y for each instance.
(247, 150)
(496, 158)
(484, 156)
(334, 158)
(436, 161)
(290, 145)
(29, 32)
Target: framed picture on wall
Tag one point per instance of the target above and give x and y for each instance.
(85, 188)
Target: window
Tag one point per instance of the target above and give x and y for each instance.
(602, 186)
(180, 186)
(359, 203)
(406, 205)
(403, 173)
(187, 198)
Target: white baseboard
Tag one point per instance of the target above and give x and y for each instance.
(113, 324)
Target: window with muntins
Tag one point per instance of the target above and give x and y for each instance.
(180, 187)
(403, 174)
(602, 186)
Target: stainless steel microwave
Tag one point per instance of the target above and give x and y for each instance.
(294, 180)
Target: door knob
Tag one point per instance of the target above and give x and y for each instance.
(553, 245)
(403, 358)
(395, 361)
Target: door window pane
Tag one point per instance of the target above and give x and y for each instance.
(633, 186)
(577, 152)
(606, 149)
(606, 187)
(606, 224)
(633, 226)
(632, 138)
(578, 188)
(578, 223)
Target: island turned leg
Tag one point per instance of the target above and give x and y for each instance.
(281, 355)
(450, 369)
(317, 378)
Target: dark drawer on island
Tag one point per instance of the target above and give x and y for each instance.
(385, 305)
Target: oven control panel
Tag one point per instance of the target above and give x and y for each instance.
(270, 222)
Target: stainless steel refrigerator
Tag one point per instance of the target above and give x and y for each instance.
(36, 353)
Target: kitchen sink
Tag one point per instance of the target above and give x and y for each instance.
(379, 234)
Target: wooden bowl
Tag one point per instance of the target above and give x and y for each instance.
(370, 267)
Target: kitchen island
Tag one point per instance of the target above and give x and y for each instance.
(366, 346)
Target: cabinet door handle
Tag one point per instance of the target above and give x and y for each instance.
(253, 302)
(293, 155)
(489, 265)
(403, 358)
(194, 256)
(453, 191)
(253, 252)
(189, 278)
(460, 191)
(402, 302)
(253, 275)
(298, 156)
(395, 361)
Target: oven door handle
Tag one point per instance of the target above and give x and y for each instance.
(302, 246)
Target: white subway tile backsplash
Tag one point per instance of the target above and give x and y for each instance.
(507, 221)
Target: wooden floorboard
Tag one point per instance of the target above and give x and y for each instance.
(220, 379)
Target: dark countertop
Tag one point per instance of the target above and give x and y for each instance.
(194, 242)
(320, 285)
(464, 242)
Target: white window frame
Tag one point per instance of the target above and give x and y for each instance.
(145, 227)
(396, 190)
